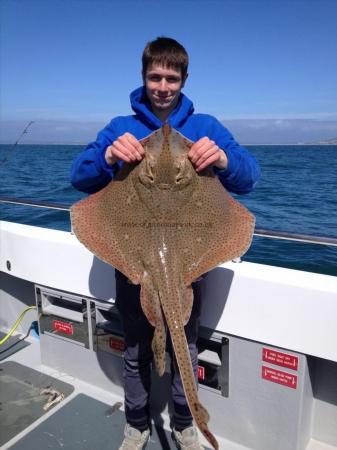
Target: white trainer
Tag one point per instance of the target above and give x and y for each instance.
(187, 439)
(134, 439)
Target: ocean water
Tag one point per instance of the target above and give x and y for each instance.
(297, 193)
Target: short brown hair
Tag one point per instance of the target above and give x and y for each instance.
(166, 52)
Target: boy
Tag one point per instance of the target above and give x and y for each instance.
(159, 101)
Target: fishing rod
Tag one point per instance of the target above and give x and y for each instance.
(11, 150)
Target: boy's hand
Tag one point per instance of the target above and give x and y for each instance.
(126, 148)
(205, 152)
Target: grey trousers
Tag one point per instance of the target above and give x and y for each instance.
(138, 357)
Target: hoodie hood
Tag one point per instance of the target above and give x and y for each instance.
(142, 108)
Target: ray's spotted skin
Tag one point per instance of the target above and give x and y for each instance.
(164, 225)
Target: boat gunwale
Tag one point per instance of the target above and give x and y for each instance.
(259, 232)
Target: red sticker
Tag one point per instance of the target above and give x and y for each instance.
(201, 373)
(117, 344)
(63, 327)
(277, 376)
(280, 359)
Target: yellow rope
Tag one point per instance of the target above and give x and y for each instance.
(17, 323)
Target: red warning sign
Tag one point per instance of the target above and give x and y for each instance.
(280, 377)
(201, 373)
(117, 344)
(63, 327)
(280, 359)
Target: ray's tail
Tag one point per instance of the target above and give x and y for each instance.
(183, 358)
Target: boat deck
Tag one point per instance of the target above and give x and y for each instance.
(88, 418)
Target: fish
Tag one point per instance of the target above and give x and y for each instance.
(164, 225)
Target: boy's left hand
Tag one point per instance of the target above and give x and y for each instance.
(205, 152)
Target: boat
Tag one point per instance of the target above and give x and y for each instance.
(267, 350)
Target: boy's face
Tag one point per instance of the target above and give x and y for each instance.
(163, 86)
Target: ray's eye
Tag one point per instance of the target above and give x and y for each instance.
(182, 177)
(146, 178)
(146, 175)
(179, 178)
(180, 173)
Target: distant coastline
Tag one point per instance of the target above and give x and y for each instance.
(245, 131)
(302, 144)
(81, 144)
(27, 144)
(332, 141)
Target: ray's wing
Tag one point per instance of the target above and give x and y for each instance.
(108, 223)
(215, 228)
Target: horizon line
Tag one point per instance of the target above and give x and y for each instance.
(242, 143)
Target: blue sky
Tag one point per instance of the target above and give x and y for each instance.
(73, 63)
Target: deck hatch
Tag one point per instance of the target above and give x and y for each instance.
(213, 362)
(107, 329)
(63, 315)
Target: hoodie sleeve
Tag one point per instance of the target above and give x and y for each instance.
(243, 171)
(90, 172)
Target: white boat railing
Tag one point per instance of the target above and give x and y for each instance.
(270, 234)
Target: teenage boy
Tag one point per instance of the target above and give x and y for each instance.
(159, 101)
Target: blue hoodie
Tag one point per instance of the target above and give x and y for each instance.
(90, 172)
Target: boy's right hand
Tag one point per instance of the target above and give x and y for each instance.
(126, 148)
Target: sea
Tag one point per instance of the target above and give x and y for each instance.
(297, 193)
